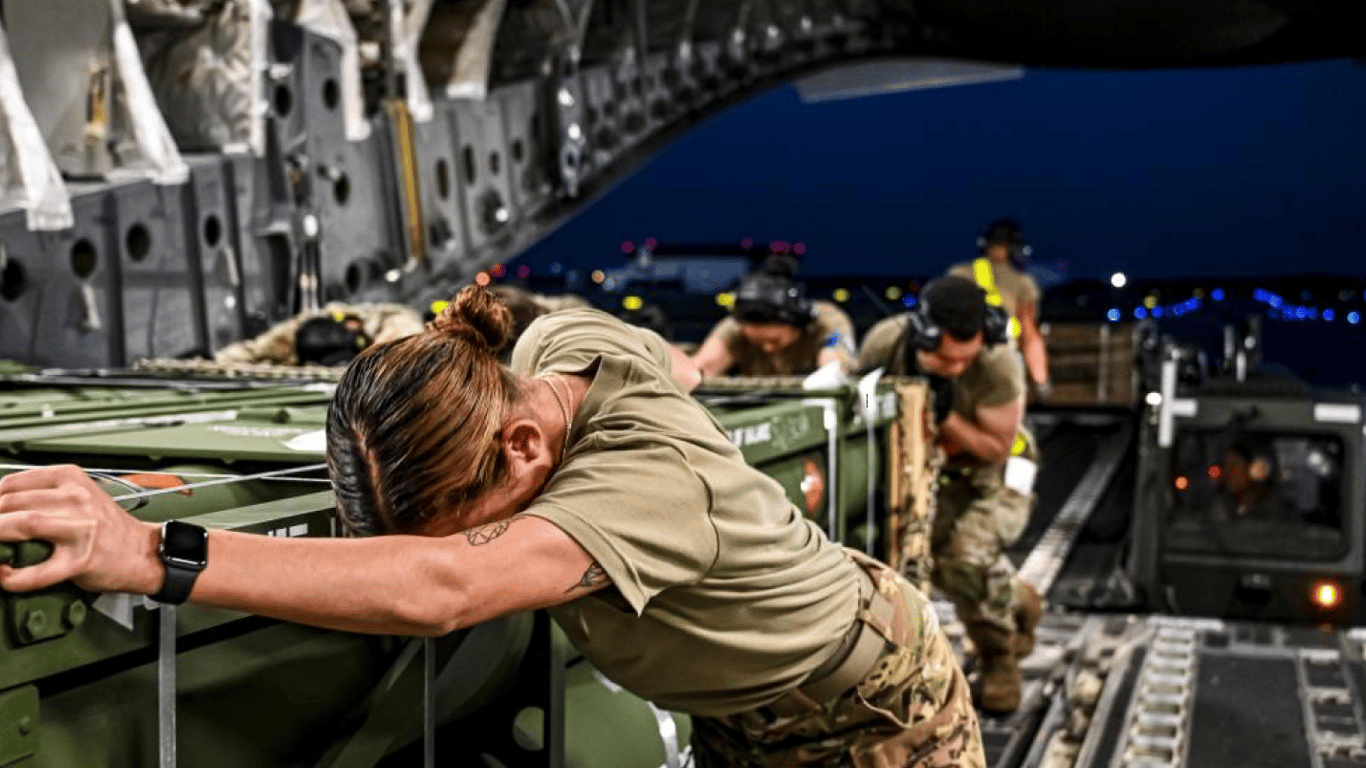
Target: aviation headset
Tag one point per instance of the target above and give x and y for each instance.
(925, 334)
(1005, 231)
(771, 295)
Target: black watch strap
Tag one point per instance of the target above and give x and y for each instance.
(184, 552)
(177, 585)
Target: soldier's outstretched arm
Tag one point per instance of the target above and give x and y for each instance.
(412, 585)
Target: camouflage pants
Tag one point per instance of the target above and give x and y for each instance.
(976, 517)
(912, 710)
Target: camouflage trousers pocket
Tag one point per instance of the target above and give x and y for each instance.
(946, 738)
(1012, 514)
(921, 711)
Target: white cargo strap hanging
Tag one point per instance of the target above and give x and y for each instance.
(26, 166)
(414, 81)
(867, 391)
(149, 127)
(166, 687)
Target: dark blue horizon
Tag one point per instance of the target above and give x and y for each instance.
(1161, 174)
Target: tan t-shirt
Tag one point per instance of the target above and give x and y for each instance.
(1016, 287)
(830, 328)
(724, 596)
(995, 377)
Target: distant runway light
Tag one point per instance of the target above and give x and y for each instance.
(799, 248)
(1118, 280)
(841, 295)
(725, 299)
(566, 98)
(1329, 314)
(1353, 317)
(598, 276)
(632, 303)
(746, 242)
(393, 275)
(1140, 313)
(1112, 315)
(523, 271)
(483, 279)
(627, 246)
(575, 132)
(651, 243)
(1217, 294)
(893, 293)
(1153, 398)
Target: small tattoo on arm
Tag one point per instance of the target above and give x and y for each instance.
(483, 534)
(592, 578)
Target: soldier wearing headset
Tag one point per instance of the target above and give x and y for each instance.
(775, 330)
(999, 270)
(960, 342)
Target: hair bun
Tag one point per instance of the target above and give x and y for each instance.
(476, 316)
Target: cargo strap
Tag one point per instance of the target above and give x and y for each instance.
(981, 272)
(166, 687)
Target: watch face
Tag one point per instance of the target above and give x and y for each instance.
(184, 544)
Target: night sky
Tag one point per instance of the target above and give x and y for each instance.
(1165, 173)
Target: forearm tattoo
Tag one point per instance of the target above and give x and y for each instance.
(592, 578)
(483, 534)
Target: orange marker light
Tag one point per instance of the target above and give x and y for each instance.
(1182, 483)
(483, 279)
(1215, 471)
(1326, 595)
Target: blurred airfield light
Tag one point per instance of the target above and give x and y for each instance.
(1118, 280)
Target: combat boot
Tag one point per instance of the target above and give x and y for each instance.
(999, 683)
(1028, 610)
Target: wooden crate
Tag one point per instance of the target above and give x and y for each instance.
(1092, 364)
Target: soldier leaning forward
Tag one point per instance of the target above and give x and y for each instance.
(960, 343)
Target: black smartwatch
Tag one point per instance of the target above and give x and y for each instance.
(184, 552)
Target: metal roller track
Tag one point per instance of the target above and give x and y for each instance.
(1047, 558)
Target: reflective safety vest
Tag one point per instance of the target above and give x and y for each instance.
(981, 272)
